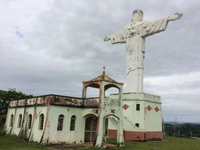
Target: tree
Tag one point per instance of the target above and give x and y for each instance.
(7, 96)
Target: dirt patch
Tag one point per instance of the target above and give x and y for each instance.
(63, 146)
(75, 146)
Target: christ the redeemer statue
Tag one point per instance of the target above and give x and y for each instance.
(134, 36)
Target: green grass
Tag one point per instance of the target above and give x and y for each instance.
(12, 143)
(169, 143)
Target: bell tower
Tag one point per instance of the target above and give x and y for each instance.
(107, 107)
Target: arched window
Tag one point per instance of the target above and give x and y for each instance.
(41, 122)
(20, 121)
(60, 122)
(29, 121)
(11, 120)
(72, 123)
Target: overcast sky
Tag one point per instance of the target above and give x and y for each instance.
(51, 46)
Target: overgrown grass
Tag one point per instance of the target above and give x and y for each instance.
(13, 143)
(169, 143)
(2, 121)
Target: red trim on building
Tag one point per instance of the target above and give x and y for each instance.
(137, 136)
(133, 135)
(154, 135)
(112, 133)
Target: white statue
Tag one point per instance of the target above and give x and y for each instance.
(134, 36)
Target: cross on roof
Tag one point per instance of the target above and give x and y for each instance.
(104, 68)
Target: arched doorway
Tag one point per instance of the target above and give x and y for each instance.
(90, 128)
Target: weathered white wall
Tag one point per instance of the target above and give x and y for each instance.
(131, 116)
(148, 120)
(57, 136)
(16, 129)
(36, 133)
(29, 110)
(8, 119)
(51, 134)
(153, 118)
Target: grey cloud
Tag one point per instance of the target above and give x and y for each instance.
(63, 46)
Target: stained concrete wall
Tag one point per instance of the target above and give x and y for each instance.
(36, 133)
(49, 133)
(65, 135)
(143, 124)
(149, 118)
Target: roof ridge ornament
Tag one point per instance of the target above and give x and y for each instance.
(104, 68)
(104, 72)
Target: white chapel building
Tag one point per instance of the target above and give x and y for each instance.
(54, 119)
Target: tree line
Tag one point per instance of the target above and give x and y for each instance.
(182, 130)
(7, 96)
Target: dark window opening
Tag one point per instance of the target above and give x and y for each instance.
(29, 121)
(137, 125)
(41, 122)
(60, 122)
(20, 121)
(73, 122)
(138, 107)
(11, 120)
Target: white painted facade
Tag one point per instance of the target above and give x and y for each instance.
(148, 117)
(51, 111)
(142, 115)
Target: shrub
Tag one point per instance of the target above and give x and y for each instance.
(2, 132)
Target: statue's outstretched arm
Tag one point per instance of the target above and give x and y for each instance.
(118, 37)
(175, 16)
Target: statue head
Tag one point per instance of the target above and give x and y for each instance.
(137, 15)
